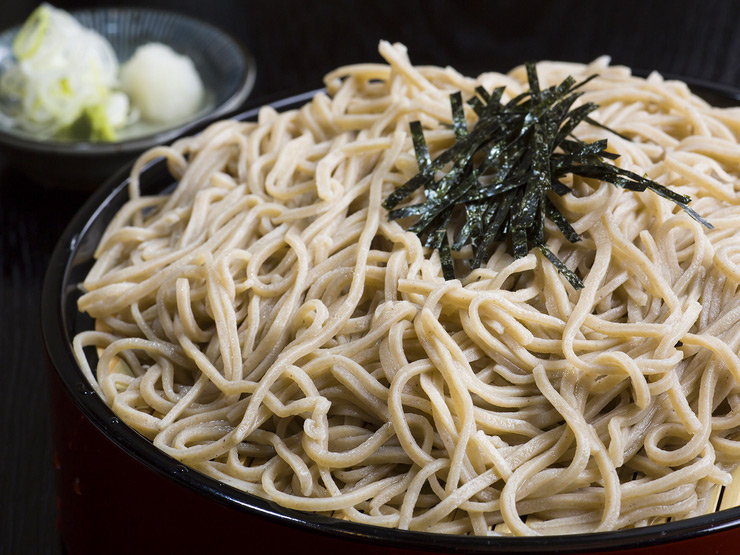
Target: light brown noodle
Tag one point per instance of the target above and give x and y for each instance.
(268, 326)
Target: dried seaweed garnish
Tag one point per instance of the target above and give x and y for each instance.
(524, 147)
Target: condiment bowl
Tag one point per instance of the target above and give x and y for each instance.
(227, 69)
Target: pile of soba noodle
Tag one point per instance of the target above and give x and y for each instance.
(267, 325)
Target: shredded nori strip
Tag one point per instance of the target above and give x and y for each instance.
(524, 147)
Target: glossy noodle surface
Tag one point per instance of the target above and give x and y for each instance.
(268, 326)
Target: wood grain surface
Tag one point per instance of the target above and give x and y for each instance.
(295, 43)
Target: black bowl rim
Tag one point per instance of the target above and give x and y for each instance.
(58, 346)
(88, 148)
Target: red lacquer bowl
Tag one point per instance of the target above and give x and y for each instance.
(119, 494)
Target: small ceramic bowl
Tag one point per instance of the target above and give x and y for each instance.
(228, 72)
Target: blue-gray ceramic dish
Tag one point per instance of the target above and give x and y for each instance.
(228, 72)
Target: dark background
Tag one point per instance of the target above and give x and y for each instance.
(294, 44)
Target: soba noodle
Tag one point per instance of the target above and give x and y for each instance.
(267, 325)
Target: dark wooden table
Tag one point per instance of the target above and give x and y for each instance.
(295, 43)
